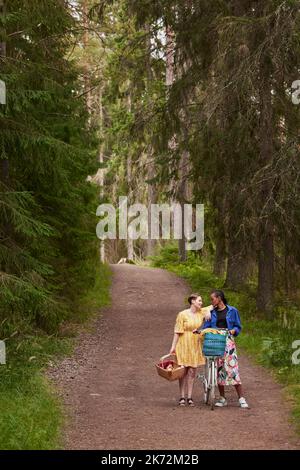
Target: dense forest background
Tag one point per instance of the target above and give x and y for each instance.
(187, 102)
(172, 101)
(196, 107)
(48, 250)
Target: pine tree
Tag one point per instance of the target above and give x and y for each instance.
(47, 242)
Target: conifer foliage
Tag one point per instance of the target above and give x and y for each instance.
(211, 120)
(47, 224)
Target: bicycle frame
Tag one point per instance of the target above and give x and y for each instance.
(209, 379)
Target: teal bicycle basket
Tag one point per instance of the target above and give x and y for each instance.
(214, 344)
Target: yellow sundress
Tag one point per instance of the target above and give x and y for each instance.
(189, 347)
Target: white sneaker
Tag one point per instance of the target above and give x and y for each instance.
(243, 403)
(221, 402)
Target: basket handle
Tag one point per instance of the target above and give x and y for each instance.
(165, 357)
(216, 329)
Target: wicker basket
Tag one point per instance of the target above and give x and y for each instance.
(214, 345)
(175, 374)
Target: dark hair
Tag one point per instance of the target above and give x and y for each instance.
(220, 293)
(193, 297)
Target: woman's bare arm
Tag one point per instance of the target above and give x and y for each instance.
(174, 343)
(207, 315)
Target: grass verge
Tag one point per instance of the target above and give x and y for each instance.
(31, 413)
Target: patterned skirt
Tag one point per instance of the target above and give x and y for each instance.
(228, 367)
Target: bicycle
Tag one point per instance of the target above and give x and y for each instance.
(213, 348)
(209, 380)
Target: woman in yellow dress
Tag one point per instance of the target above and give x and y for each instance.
(186, 345)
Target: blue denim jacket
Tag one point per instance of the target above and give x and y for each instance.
(232, 318)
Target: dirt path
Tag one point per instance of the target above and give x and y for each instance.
(116, 400)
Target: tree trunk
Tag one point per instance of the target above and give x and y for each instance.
(170, 55)
(152, 199)
(101, 170)
(266, 229)
(220, 254)
(237, 264)
(182, 199)
(150, 161)
(86, 76)
(265, 290)
(4, 162)
(170, 51)
(130, 246)
(182, 253)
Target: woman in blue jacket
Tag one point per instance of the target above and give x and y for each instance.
(226, 316)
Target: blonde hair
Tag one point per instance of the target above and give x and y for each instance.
(193, 297)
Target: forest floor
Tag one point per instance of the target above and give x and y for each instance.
(114, 398)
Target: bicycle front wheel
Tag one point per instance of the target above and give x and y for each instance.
(213, 385)
(205, 383)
